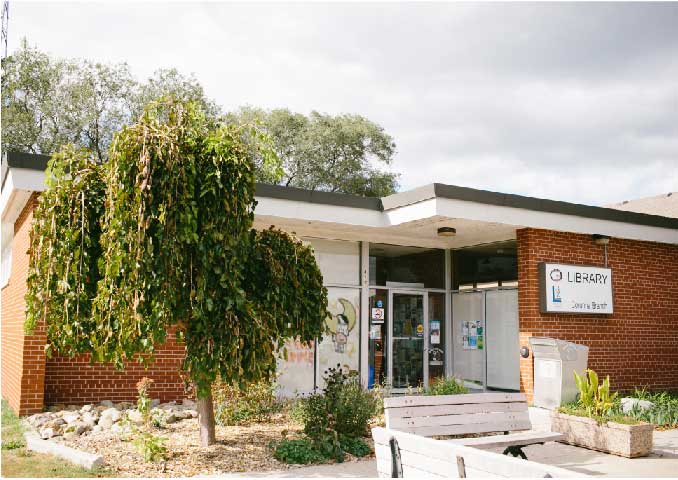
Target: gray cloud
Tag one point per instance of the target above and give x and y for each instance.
(569, 101)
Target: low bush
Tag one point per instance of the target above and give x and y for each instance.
(446, 386)
(236, 406)
(333, 420)
(344, 407)
(355, 446)
(150, 446)
(301, 451)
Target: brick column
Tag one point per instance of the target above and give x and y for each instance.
(23, 356)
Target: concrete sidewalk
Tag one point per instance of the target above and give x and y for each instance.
(663, 462)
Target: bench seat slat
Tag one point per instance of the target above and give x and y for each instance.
(495, 441)
(406, 424)
(456, 409)
(430, 400)
(496, 426)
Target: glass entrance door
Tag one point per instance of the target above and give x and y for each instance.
(408, 339)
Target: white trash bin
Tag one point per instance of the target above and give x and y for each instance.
(555, 362)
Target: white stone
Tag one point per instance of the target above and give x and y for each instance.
(111, 413)
(192, 413)
(629, 403)
(97, 428)
(86, 408)
(107, 403)
(189, 403)
(105, 422)
(89, 418)
(155, 402)
(84, 459)
(71, 417)
(135, 416)
(46, 433)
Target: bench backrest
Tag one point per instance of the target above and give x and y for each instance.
(429, 415)
(426, 457)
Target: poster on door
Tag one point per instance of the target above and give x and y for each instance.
(295, 374)
(340, 343)
(472, 335)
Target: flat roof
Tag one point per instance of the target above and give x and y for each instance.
(401, 199)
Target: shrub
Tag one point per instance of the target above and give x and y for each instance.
(301, 451)
(355, 446)
(446, 386)
(150, 446)
(594, 398)
(236, 406)
(344, 407)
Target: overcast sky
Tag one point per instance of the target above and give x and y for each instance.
(576, 102)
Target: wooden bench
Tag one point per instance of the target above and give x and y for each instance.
(404, 455)
(475, 413)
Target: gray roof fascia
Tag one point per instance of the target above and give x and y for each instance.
(313, 196)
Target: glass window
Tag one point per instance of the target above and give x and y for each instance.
(397, 266)
(436, 332)
(339, 261)
(378, 340)
(485, 266)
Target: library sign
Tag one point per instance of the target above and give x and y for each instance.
(575, 289)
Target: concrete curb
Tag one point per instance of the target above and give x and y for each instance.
(84, 459)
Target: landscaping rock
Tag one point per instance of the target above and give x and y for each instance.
(86, 408)
(46, 433)
(189, 403)
(97, 429)
(135, 416)
(111, 413)
(192, 413)
(107, 403)
(90, 418)
(171, 418)
(629, 403)
(71, 417)
(155, 402)
(105, 423)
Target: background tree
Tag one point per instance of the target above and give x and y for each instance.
(343, 153)
(178, 252)
(48, 103)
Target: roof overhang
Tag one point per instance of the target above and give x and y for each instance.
(407, 218)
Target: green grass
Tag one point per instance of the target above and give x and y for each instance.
(19, 462)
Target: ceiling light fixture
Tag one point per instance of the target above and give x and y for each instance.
(447, 232)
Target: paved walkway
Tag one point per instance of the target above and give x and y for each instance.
(663, 462)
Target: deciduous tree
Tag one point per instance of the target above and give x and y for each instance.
(177, 251)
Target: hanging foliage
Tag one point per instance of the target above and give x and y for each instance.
(63, 272)
(176, 252)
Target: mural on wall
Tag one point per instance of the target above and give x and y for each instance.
(341, 342)
(295, 375)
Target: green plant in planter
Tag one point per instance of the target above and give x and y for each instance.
(446, 386)
(595, 398)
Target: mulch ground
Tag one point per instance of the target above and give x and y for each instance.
(238, 449)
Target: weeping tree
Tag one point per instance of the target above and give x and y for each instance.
(160, 240)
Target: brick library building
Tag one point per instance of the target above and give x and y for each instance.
(433, 282)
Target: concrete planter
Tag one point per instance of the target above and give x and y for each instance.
(616, 438)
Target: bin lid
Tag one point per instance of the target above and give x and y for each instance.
(551, 342)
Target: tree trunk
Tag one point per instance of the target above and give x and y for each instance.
(206, 421)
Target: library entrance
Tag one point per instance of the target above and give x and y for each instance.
(412, 343)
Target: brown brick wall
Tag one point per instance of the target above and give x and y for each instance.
(635, 346)
(76, 381)
(23, 358)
